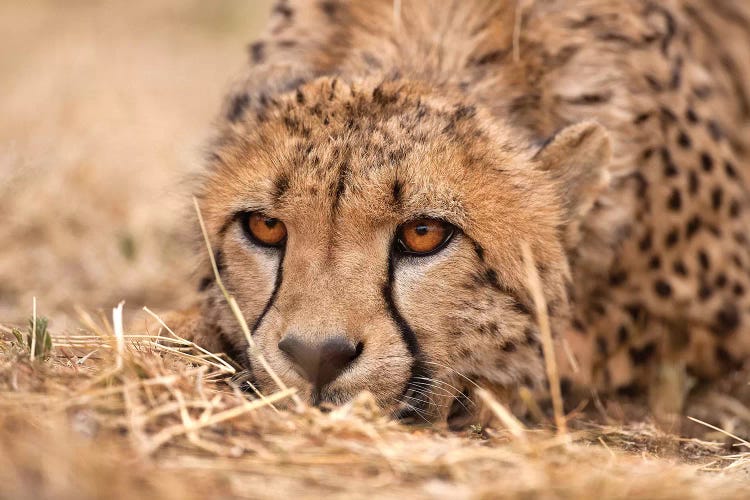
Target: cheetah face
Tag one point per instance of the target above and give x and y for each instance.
(370, 234)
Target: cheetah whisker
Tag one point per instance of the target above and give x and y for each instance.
(416, 410)
(445, 392)
(442, 382)
(454, 397)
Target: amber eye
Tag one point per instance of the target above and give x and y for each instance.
(263, 230)
(423, 236)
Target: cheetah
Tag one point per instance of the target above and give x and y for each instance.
(377, 169)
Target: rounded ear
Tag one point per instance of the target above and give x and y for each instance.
(577, 159)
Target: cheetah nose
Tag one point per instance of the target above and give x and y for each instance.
(320, 362)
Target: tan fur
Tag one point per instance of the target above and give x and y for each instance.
(573, 136)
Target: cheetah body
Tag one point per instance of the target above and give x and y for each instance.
(648, 266)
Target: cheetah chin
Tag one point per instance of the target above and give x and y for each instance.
(376, 171)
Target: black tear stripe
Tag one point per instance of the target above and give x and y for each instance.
(418, 368)
(274, 293)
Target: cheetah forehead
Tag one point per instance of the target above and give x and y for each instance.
(394, 146)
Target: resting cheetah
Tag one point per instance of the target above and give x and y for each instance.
(375, 173)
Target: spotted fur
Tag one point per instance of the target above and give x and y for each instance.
(611, 136)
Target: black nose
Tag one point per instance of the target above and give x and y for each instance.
(320, 362)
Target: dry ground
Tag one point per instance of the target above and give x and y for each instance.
(105, 107)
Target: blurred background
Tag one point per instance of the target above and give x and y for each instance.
(106, 106)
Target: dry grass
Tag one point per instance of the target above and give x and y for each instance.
(163, 419)
(105, 105)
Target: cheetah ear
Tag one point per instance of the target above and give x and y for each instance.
(577, 158)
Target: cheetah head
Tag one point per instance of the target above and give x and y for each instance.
(371, 234)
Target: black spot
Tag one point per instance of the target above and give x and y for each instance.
(703, 260)
(642, 355)
(655, 262)
(280, 186)
(598, 308)
(691, 116)
(683, 139)
(204, 283)
(237, 107)
(737, 261)
(702, 92)
(727, 321)
(653, 83)
(721, 280)
(676, 74)
(667, 115)
(670, 169)
(636, 311)
(490, 277)
(679, 268)
(284, 10)
(662, 288)
(617, 278)
(492, 57)
(577, 325)
(396, 191)
(734, 209)
(329, 8)
(629, 391)
(463, 112)
(705, 292)
(693, 182)
(622, 334)
(382, 98)
(646, 242)
(479, 251)
(717, 195)
(489, 328)
(510, 346)
(300, 97)
(707, 163)
(397, 156)
(601, 345)
(673, 236)
(637, 121)
(257, 52)
(738, 290)
(730, 170)
(566, 387)
(725, 358)
(674, 202)
(590, 99)
(530, 337)
(715, 130)
(642, 184)
(219, 259)
(693, 225)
